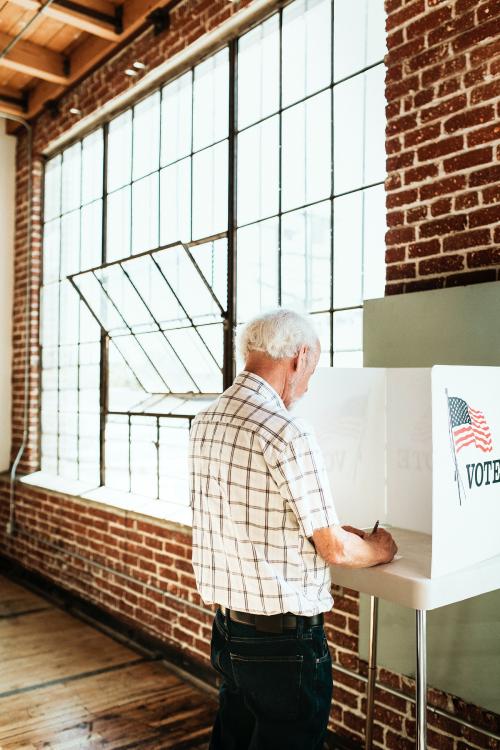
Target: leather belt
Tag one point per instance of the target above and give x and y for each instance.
(272, 623)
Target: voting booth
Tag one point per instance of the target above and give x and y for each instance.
(417, 449)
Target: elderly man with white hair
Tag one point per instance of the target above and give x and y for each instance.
(265, 530)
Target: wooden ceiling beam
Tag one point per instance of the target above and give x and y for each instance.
(91, 51)
(79, 17)
(11, 101)
(33, 60)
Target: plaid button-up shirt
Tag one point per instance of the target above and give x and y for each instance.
(258, 491)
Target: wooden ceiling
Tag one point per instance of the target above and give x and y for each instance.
(48, 45)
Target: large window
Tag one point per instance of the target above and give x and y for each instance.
(254, 179)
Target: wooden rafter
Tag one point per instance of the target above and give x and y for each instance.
(85, 56)
(80, 17)
(34, 60)
(11, 102)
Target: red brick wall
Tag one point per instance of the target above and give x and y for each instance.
(443, 136)
(443, 226)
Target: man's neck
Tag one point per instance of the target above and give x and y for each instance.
(275, 376)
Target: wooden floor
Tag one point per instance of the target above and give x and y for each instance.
(65, 684)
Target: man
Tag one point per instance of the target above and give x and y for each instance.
(264, 533)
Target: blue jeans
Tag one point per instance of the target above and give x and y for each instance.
(276, 689)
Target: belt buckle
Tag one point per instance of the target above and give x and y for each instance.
(269, 623)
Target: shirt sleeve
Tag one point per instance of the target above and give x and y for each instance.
(300, 475)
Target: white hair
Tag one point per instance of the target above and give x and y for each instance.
(279, 333)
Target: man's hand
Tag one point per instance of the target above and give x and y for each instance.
(353, 548)
(354, 530)
(384, 543)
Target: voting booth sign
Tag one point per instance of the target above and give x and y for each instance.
(415, 448)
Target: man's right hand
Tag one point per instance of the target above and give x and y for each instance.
(339, 546)
(384, 544)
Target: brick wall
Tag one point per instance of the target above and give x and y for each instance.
(443, 136)
(442, 144)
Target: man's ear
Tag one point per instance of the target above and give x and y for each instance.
(302, 359)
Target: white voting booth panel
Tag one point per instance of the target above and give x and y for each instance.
(416, 448)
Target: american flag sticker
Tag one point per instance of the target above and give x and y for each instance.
(468, 426)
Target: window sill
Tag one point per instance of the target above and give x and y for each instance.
(124, 503)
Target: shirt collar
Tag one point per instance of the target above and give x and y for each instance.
(255, 383)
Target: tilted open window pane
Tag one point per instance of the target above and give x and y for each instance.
(157, 307)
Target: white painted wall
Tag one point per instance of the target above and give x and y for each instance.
(7, 200)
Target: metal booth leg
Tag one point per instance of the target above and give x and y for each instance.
(421, 681)
(372, 671)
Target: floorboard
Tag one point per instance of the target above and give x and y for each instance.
(65, 685)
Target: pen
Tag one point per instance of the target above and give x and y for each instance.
(375, 527)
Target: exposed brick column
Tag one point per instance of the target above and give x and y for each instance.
(443, 136)
(30, 458)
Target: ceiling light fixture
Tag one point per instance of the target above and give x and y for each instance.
(138, 65)
(75, 111)
(131, 72)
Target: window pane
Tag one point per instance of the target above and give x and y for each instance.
(146, 136)
(305, 256)
(100, 304)
(145, 370)
(188, 285)
(68, 314)
(152, 286)
(348, 330)
(306, 152)
(348, 359)
(258, 72)
(321, 324)
(374, 242)
(91, 235)
(52, 189)
(145, 213)
(175, 192)
(144, 456)
(359, 156)
(92, 166)
(211, 259)
(348, 250)
(210, 191)
(258, 171)
(124, 390)
(258, 268)
(70, 243)
(119, 151)
(125, 299)
(90, 330)
(168, 360)
(176, 119)
(118, 225)
(359, 35)
(173, 461)
(306, 48)
(211, 99)
(197, 359)
(51, 250)
(49, 322)
(71, 169)
(117, 453)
